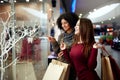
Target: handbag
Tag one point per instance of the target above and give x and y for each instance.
(57, 68)
(110, 69)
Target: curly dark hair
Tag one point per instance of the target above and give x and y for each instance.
(70, 17)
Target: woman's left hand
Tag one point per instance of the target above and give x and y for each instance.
(97, 45)
(60, 54)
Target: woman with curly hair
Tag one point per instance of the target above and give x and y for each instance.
(66, 22)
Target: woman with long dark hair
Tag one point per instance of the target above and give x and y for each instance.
(83, 53)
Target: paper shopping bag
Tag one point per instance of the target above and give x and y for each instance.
(65, 74)
(53, 72)
(115, 68)
(110, 68)
(107, 73)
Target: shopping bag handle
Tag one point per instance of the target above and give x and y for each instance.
(104, 51)
(57, 62)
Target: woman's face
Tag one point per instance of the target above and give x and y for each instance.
(77, 30)
(65, 25)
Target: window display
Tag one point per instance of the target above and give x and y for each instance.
(24, 47)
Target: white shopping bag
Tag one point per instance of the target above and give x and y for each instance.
(53, 72)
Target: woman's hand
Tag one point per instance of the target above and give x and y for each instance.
(62, 46)
(60, 54)
(51, 39)
(98, 45)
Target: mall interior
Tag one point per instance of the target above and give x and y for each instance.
(25, 25)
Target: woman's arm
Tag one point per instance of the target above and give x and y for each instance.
(55, 44)
(92, 60)
(65, 51)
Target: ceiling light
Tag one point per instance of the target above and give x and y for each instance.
(14, 0)
(102, 11)
(40, 0)
(27, 0)
(95, 9)
(1, 1)
(113, 17)
(80, 15)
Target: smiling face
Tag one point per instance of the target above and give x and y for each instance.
(65, 25)
(77, 30)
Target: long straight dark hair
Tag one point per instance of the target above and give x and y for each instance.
(86, 34)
